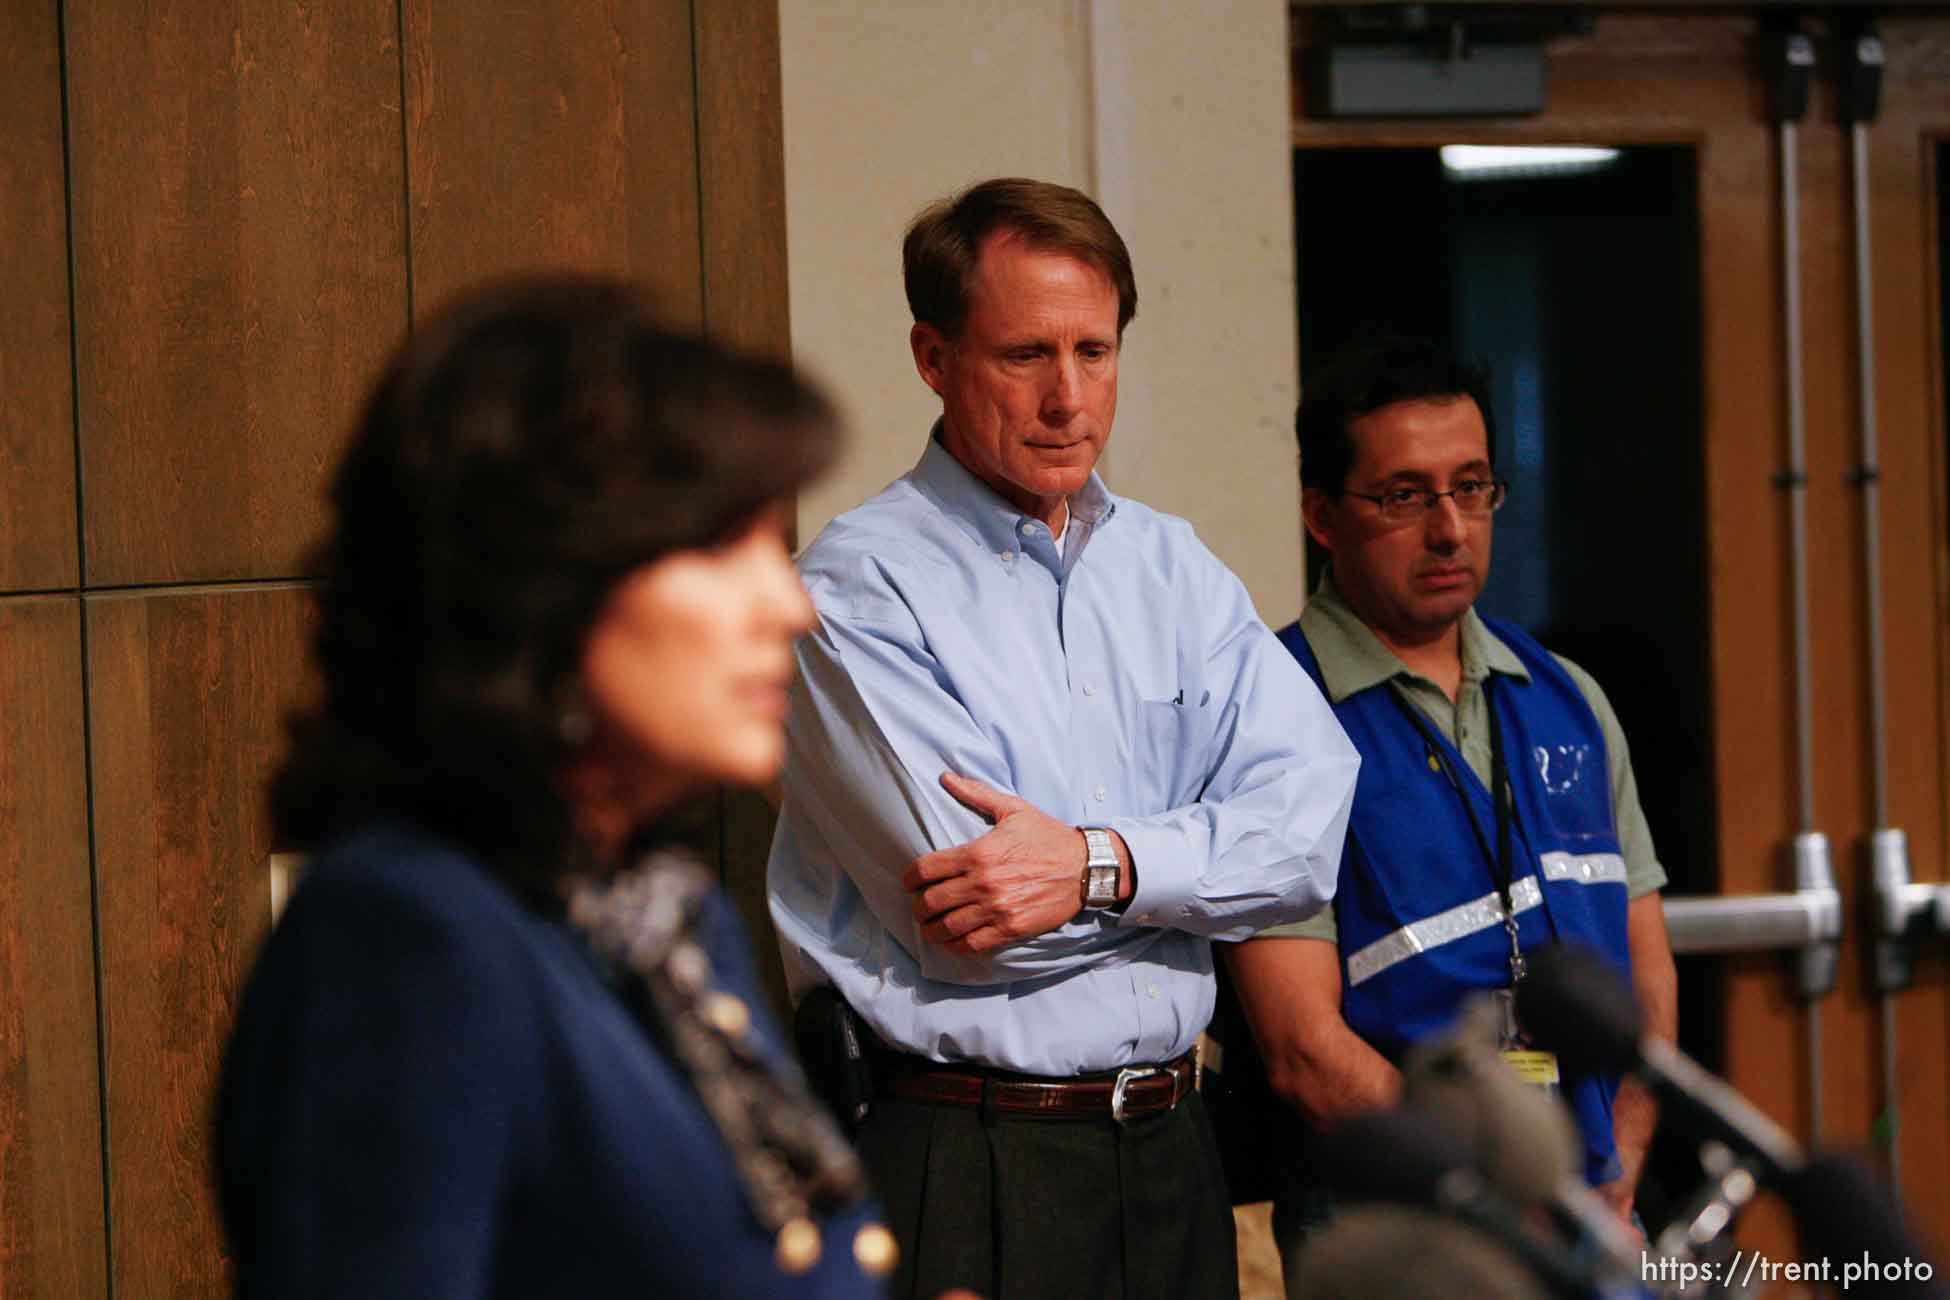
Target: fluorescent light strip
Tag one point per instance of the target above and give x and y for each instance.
(1486, 161)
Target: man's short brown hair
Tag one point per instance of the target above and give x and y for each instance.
(938, 255)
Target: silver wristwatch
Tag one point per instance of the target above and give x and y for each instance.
(1099, 867)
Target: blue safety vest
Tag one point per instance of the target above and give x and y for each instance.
(1419, 914)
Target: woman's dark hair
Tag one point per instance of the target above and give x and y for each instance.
(527, 448)
(1366, 375)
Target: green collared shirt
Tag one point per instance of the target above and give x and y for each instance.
(1352, 659)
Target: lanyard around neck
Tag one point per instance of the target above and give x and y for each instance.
(1499, 856)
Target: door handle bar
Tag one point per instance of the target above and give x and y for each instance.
(1754, 922)
(1907, 913)
(1806, 920)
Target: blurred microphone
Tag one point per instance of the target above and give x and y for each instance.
(1523, 1140)
(1389, 1252)
(1408, 1158)
(1845, 1215)
(1573, 1003)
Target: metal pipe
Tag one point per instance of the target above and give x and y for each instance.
(1869, 472)
(1814, 878)
(1860, 90)
(1817, 1090)
(1795, 479)
(1889, 1125)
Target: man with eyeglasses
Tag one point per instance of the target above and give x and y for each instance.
(1496, 809)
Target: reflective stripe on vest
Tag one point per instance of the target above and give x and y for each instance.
(1481, 913)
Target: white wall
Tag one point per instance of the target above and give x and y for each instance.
(1175, 116)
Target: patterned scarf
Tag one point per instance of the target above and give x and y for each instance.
(790, 1155)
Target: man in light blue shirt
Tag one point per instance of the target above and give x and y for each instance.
(1042, 751)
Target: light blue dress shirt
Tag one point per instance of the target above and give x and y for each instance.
(1122, 680)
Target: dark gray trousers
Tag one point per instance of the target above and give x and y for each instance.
(1020, 1207)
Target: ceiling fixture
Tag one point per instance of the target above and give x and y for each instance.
(1484, 162)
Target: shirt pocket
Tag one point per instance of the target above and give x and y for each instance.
(1173, 747)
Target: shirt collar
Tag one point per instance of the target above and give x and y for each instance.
(1352, 658)
(981, 511)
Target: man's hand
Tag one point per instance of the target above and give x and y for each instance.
(1619, 1194)
(1634, 1115)
(1022, 879)
(1634, 1111)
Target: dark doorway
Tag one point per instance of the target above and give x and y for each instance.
(1580, 288)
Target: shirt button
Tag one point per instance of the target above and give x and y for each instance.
(1027, 528)
(1088, 689)
(1100, 793)
(1152, 992)
(1007, 556)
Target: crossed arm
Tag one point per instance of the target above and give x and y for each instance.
(912, 797)
(1021, 879)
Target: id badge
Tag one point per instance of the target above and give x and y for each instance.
(1533, 1066)
(1539, 1068)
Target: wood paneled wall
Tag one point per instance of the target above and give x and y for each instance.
(239, 271)
(220, 217)
(37, 528)
(183, 685)
(50, 1102)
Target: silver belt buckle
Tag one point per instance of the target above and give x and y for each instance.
(1125, 1077)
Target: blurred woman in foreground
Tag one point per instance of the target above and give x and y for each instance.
(502, 1044)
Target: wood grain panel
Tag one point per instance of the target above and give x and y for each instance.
(749, 819)
(552, 135)
(188, 693)
(741, 174)
(239, 270)
(50, 1128)
(37, 521)
(741, 183)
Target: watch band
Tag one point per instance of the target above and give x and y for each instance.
(1099, 868)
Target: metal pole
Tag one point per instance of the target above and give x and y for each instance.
(1795, 479)
(1860, 92)
(1869, 473)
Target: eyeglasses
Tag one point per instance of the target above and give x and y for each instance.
(1473, 496)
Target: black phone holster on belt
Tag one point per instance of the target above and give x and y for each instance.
(836, 1048)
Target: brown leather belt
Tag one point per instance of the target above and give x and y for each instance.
(1124, 1094)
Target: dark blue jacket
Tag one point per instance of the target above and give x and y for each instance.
(432, 1090)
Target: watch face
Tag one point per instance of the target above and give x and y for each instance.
(1101, 888)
